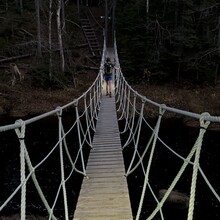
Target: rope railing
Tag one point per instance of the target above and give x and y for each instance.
(86, 108)
(131, 108)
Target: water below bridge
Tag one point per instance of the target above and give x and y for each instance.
(165, 166)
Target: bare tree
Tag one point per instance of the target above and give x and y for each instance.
(59, 32)
(6, 5)
(49, 38)
(63, 15)
(218, 48)
(218, 28)
(147, 6)
(37, 9)
(21, 6)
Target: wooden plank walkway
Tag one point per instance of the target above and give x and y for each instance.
(104, 195)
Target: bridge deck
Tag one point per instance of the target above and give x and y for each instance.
(104, 195)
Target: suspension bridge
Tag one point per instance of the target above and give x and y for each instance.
(104, 192)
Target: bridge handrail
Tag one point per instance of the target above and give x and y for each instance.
(91, 108)
(210, 118)
(160, 105)
(123, 91)
(52, 112)
(128, 112)
(55, 111)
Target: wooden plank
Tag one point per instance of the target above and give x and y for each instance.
(90, 36)
(104, 192)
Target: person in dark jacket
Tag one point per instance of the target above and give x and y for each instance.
(108, 69)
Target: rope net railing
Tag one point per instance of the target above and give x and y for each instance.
(71, 138)
(147, 149)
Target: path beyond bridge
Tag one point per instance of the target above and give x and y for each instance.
(104, 194)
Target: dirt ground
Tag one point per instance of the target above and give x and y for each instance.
(24, 100)
(192, 98)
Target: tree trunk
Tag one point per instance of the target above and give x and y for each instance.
(176, 13)
(49, 39)
(147, 7)
(59, 31)
(6, 5)
(106, 22)
(218, 46)
(37, 8)
(21, 6)
(63, 16)
(178, 72)
(218, 41)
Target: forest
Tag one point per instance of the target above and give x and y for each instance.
(171, 40)
(45, 37)
(159, 43)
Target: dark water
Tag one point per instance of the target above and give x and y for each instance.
(165, 167)
(41, 137)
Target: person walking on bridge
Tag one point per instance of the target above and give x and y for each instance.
(108, 67)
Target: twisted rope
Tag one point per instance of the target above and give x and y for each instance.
(179, 174)
(132, 124)
(124, 93)
(204, 118)
(90, 113)
(59, 115)
(137, 139)
(161, 112)
(203, 126)
(21, 135)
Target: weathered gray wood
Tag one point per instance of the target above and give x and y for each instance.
(90, 36)
(104, 194)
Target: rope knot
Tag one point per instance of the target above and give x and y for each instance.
(60, 111)
(20, 122)
(143, 99)
(204, 123)
(20, 132)
(76, 104)
(162, 109)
